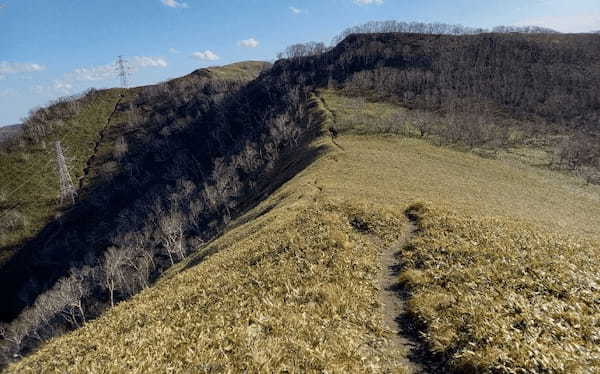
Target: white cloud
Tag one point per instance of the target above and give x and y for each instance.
(109, 71)
(583, 22)
(174, 51)
(7, 67)
(58, 87)
(368, 2)
(174, 4)
(93, 73)
(72, 81)
(295, 10)
(147, 61)
(206, 55)
(250, 43)
(63, 87)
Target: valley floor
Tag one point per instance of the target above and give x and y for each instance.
(293, 285)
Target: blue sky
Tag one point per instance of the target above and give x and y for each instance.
(62, 47)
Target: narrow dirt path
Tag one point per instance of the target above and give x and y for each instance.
(88, 163)
(392, 299)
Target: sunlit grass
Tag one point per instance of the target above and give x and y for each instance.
(496, 294)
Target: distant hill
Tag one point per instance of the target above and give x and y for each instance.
(9, 131)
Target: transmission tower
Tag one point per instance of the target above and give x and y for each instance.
(123, 70)
(67, 190)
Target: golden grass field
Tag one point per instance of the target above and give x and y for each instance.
(503, 273)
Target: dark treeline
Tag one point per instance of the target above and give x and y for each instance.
(435, 28)
(374, 27)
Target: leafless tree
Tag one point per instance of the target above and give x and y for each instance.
(120, 148)
(113, 269)
(139, 258)
(72, 292)
(303, 49)
(171, 228)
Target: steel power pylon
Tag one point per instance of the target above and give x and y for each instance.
(67, 190)
(123, 71)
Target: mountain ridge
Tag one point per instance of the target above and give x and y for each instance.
(186, 157)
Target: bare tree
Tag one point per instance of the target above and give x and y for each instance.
(72, 292)
(113, 266)
(120, 148)
(171, 227)
(303, 49)
(140, 257)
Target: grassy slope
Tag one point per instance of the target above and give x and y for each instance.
(241, 70)
(291, 286)
(29, 176)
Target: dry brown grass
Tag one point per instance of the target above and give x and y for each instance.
(498, 295)
(292, 285)
(291, 291)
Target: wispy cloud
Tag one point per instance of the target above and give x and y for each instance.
(59, 87)
(174, 51)
(295, 10)
(583, 22)
(207, 55)
(68, 82)
(8, 67)
(63, 87)
(138, 62)
(174, 4)
(368, 2)
(109, 71)
(249, 43)
(92, 73)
